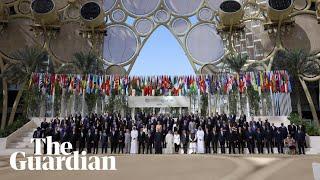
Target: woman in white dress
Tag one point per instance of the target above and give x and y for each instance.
(134, 141)
(176, 141)
(169, 142)
(200, 142)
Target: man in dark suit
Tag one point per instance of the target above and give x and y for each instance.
(250, 141)
(269, 140)
(73, 140)
(36, 134)
(141, 140)
(301, 139)
(89, 141)
(222, 141)
(121, 142)
(260, 141)
(82, 141)
(149, 142)
(184, 138)
(278, 138)
(207, 140)
(158, 142)
(104, 142)
(214, 140)
(113, 140)
(96, 139)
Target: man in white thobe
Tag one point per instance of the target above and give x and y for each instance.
(169, 142)
(134, 141)
(200, 142)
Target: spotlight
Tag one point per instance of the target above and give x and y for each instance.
(231, 12)
(44, 11)
(92, 14)
(279, 9)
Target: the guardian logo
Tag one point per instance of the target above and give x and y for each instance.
(61, 159)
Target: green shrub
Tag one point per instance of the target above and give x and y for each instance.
(13, 127)
(311, 128)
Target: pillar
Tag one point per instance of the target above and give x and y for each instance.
(133, 112)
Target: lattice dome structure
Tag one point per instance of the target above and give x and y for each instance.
(207, 30)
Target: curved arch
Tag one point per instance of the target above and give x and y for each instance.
(164, 41)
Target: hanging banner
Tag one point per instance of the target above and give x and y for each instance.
(158, 101)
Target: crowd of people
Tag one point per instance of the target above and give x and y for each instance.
(187, 134)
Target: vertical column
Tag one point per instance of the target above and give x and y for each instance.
(133, 111)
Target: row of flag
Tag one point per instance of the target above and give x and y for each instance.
(223, 83)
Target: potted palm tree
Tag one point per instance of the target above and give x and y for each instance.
(28, 60)
(88, 63)
(236, 63)
(298, 63)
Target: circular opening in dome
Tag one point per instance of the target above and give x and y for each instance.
(280, 4)
(42, 6)
(230, 6)
(90, 10)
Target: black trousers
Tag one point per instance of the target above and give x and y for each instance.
(89, 148)
(81, 147)
(176, 148)
(104, 148)
(232, 147)
(185, 148)
(149, 148)
(121, 147)
(114, 147)
(269, 145)
(158, 149)
(260, 147)
(141, 144)
(250, 145)
(208, 148)
(214, 146)
(241, 146)
(280, 147)
(95, 148)
(301, 148)
(222, 147)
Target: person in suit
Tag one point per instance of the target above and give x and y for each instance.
(148, 142)
(207, 140)
(82, 141)
(104, 142)
(214, 140)
(222, 141)
(89, 140)
(74, 139)
(269, 140)
(278, 138)
(184, 141)
(241, 139)
(127, 141)
(301, 139)
(114, 140)
(141, 140)
(36, 134)
(158, 142)
(250, 141)
(121, 142)
(233, 136)
(96, 139)
(260, 141)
